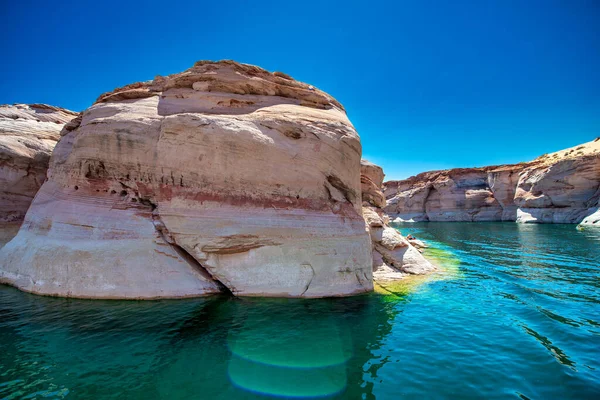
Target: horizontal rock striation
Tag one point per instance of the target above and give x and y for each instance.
(28, 133)
(393, 256)
(224, 177)
(562, 187)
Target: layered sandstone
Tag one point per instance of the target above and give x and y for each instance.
(562, 187)
(393, 256)
(28, 133)
(224, 177)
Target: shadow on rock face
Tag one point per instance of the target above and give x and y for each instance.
(7, 232)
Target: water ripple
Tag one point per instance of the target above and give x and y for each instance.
(516, 314)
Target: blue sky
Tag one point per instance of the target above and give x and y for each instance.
(428, 84)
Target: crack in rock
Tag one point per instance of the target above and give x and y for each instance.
(311, 278)
(204, 272)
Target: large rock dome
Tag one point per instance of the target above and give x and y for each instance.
(224, 177)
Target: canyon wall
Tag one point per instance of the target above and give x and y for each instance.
(28, 134)
(562, 187)
(224, 177)
(393, 255)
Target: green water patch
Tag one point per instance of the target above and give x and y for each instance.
(275, 381)
(291, 343)
(445, 260)
(270, 351)
(399, 288)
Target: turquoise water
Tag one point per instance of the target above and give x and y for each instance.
(518, 315)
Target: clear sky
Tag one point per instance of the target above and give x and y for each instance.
(428, 84)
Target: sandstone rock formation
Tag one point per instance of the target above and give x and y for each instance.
(371, 181)
(28, 133)
(562, 187)
(393, 255)
(224, 177)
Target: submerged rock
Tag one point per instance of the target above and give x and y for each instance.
(28, 133)
(562, 187)
(419, 244)
(224, 177)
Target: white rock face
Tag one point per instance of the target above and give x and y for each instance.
(593, 217)
(562, 187)
(406, 259)
(28, 133)
(222, 177)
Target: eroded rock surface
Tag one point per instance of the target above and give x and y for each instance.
(371, 181)
(393, 255)
(562, 187)
(28, 133)
(224, 177)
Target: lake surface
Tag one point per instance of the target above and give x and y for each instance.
(516, 314)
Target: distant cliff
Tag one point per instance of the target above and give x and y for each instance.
(562, 187)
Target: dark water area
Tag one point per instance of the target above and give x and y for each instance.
(515, 314)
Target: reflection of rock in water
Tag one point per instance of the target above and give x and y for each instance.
(369, 320)
(88, 349)
(218, 348)
(260, 348)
